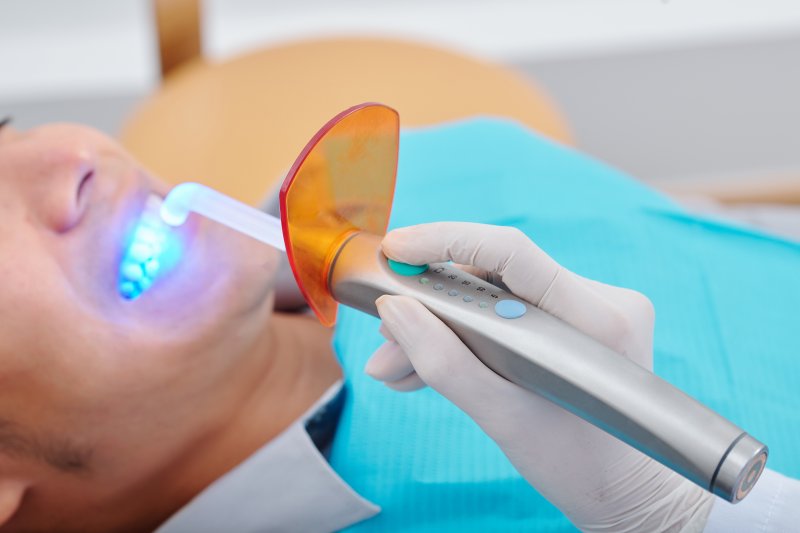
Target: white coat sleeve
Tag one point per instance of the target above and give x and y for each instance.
(773, 506)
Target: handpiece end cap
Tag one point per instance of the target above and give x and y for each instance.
(740, 469)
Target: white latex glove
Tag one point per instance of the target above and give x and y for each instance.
(597, 481)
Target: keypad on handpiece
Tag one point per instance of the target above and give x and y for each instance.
(503, 307)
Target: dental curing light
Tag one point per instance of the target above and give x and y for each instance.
(335, 205)
(211, 204)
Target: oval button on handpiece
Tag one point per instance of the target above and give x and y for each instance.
(510, 309)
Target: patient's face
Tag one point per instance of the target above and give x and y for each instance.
(97, 393)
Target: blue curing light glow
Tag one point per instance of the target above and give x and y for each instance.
(151, 250)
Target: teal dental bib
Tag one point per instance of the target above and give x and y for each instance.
(726, 300)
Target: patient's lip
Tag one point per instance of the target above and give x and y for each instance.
(127, 211)
(129, 215)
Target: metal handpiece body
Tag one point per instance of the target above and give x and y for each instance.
(551, 358)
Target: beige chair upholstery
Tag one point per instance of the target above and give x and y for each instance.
(238, 125)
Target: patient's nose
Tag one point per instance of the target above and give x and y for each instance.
(53, 171)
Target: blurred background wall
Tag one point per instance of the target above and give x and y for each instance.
(667, 90)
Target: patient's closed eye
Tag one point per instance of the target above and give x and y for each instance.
(4, 122)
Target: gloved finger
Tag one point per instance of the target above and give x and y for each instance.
(388, 363)
(620, 318)
(578, 303)
(483, 274)
(444, 363)
(625, 302)
(409, 383)
(637, 308)
(385, 333)
(526, 269)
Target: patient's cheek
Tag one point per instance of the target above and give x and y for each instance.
(231, 306)
(249, 273)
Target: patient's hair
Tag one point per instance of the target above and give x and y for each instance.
(58, 452)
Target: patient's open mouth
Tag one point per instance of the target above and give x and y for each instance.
(150, 250)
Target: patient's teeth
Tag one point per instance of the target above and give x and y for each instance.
(145, 234)
(151, 267)
(132, 271)
(140, 264)
(128, 289)
(140, 252)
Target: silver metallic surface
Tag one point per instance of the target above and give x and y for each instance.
(740, 469)
(547, 356)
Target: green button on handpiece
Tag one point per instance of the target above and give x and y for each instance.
(404, 269)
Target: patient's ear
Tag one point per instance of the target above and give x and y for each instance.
(11, 493)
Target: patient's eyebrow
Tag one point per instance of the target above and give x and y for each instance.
(59, 453)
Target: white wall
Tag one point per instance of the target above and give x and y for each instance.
(60, 49)
(504, 30)
(73, 48)
(666, 89)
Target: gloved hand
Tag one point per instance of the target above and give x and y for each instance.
(597, 481)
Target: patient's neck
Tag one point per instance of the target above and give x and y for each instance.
(293, 366)
(300, 367)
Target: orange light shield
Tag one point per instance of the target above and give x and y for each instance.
(342, 183)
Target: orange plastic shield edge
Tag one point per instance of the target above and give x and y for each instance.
(342, 182)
